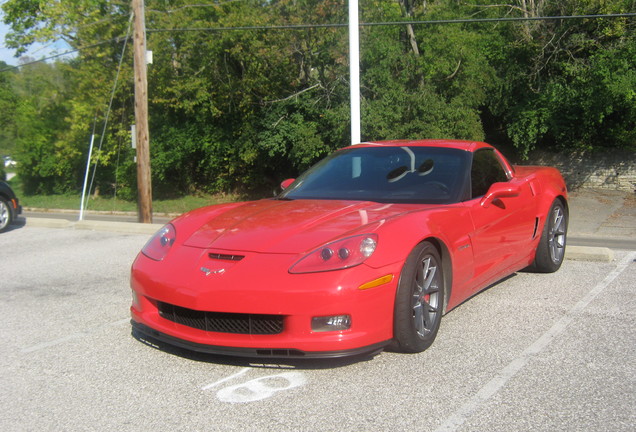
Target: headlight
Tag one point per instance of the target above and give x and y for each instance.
(160, 243)
(341, 254)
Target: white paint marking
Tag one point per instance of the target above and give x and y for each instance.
(73, 336)
(460, 416)
(259, 389)
(236, 375)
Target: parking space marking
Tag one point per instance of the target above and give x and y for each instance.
(73, 336)
(459, 417)
(257, 388)
(261, 388)
(231, 377)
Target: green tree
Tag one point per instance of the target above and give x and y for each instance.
(569, 83)
(57, 117)
(424, 80)
(8, 101)
(242, 109)
(39, 114)
(264, 102)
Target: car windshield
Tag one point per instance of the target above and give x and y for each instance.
(422, 175)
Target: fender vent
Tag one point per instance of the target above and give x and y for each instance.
(536, 227)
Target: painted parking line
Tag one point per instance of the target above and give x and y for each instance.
(74, 336)
(459, 417)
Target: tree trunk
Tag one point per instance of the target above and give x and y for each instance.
(407, 9)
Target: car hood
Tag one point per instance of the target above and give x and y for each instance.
(276, 226)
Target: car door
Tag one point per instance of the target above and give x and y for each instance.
(503, 226)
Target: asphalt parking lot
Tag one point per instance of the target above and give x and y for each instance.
(535, 352)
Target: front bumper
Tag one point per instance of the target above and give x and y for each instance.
(260, 285)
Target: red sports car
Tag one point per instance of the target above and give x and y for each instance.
(367, 249)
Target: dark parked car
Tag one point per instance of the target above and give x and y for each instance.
(10, 207)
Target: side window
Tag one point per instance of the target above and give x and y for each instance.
(485, 171)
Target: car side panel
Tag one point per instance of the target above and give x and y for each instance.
(548, 185)
(505, 233)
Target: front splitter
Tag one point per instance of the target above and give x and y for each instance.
(253, 352)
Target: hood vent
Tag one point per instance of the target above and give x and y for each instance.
(225, 257)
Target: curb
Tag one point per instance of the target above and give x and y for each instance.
(589, 253)
(121, 227)
(95, 212)
(575, 253)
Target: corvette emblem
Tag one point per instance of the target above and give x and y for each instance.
(207, 271)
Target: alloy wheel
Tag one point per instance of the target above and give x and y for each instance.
(556, 239)
(426, 296)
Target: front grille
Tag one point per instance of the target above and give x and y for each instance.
(255, 324)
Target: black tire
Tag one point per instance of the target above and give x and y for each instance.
(419, 300)
(551, 248)
(6, 215)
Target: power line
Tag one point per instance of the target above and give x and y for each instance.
(394, 23)
(334, 25)
(117, 39)
(109, 19)
(180, 8)
(110, 106)
(243, 28)
(496, 20)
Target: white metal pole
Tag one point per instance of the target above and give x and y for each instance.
(354, 70)
(88, 165)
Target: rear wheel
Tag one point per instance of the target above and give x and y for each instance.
(419, 301)
(5, 214)
(551, 248)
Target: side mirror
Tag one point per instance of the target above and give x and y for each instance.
(285, 183)
(500, 190)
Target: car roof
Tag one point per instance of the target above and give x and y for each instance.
(466, 145)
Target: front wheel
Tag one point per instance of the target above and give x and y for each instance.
(551, 248)
(5, 215)
(419, 300)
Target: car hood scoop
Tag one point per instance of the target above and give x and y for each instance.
(273, 226)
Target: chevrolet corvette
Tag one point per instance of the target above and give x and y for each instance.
(366, 250)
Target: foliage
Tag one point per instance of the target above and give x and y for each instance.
(8, 100)
(569, 83)
(240, 110)
(39, 113)
(116, 204)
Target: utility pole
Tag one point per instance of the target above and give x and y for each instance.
(354, 71)
(144, 183)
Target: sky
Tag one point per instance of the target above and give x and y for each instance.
(6, 54)
(36, 51)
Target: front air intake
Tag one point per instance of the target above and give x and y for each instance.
(237, 323)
